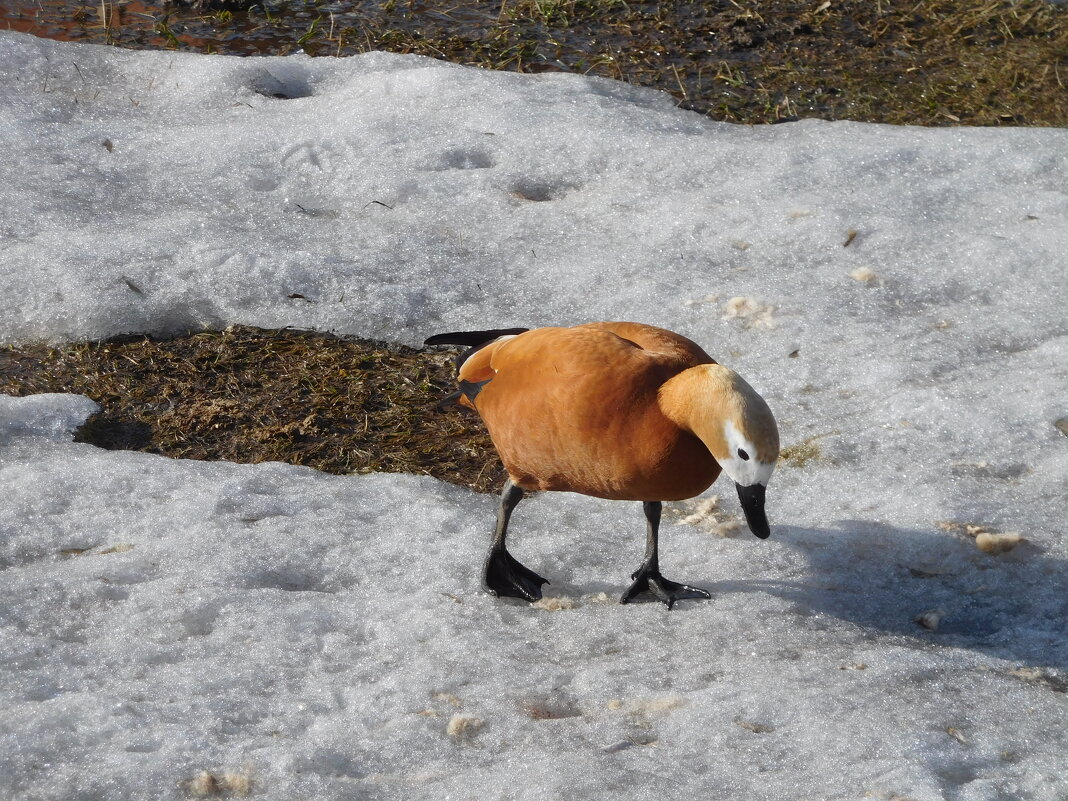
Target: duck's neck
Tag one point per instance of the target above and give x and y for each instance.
(700, 400)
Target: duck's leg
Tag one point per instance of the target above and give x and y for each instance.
(647, 577)
(503, 574)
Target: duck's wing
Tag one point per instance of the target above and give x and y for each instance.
(668, 344)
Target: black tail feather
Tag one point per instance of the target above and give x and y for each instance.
(470, 338)
(475, 340)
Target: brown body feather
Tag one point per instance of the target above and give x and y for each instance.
(581, 410)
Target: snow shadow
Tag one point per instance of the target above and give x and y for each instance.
(879, 577)
(283, 82)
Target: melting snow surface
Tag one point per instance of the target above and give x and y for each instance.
(173, 628)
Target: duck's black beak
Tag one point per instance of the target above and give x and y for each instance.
(752, 498)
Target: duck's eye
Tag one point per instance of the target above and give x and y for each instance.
(743, 455)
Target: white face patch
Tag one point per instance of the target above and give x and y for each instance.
(745, 471)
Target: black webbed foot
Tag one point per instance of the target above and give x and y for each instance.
(648, 579)
(508, 577)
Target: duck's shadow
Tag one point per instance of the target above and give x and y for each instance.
(1013, 605)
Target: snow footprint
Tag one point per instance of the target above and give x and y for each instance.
(463, 158)
(540, 191)
(315, 155)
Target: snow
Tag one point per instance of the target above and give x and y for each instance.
(175, 628)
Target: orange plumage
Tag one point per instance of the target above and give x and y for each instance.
(576, 409)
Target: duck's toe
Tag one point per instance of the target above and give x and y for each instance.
(666, 590)
(506, 576)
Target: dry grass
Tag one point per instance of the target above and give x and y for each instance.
(801, 453)
(248, 395)
(937, 62)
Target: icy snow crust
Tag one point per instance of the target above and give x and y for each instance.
(306, 636)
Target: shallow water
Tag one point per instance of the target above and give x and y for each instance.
(319, 28)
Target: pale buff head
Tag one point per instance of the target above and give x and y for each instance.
(716, 404)
(729, 416)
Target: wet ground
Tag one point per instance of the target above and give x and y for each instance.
(236, 28)
(940, 62)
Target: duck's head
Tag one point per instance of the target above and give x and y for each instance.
(751, 441)
(737, 427)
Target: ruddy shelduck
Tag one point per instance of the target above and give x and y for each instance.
(623, 411)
